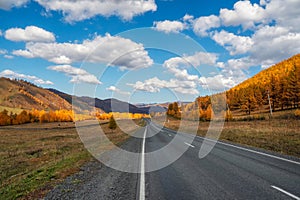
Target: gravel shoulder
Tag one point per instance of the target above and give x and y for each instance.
(97, 181)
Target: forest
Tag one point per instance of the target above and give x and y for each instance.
(43, 116)
(35, 116)
(275, 88)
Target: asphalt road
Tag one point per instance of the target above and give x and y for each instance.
(228, 172)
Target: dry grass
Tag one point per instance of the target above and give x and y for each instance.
(35, 157)
(279, 135)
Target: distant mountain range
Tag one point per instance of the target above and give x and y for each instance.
(109, 105)
(25, 95)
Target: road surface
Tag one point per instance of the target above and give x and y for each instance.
(228, 172)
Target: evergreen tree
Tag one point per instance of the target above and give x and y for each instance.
(293, 86)
(112, 123)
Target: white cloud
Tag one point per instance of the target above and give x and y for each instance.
(86, 9)
(8, 4)
(183, 82)
(273, 44)
(188, 17)
(155, 85)
(11, 74)
(214, 83)
(203, 24)
(233, 43)
(113, 50)
(117, 90)
(77, 75)
(29, 34)
(195, 60)
(8, 56)
(244, 13)
(285, 13)
(3, 51)
(168, 26)
(24, 53)
(232, 73)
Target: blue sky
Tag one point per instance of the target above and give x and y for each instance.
(145, 51)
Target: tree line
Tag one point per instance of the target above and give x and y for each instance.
(41, 116)
(118, 115)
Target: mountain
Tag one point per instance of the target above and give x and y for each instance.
(153, 107)
(107, 105)
(25, 95)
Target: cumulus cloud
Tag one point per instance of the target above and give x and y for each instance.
(188, 17)
(273, 44)
(168, 26)
(244, 13)
(3, 51)
(232, 73)
(203, 24)
(11, 74)
(233, 43)
(85, 9)
(284, 12)
(77, 75)
(112, 50)
(155, 85)
(8, 56)
(183, 82)
(195, 60)
(8, 4)
(29, 34)
(117, 90)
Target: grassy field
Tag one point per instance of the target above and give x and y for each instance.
(35, 157)
(279, 135)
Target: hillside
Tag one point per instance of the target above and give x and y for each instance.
(24, 95)
(280, 82)
(281, 71)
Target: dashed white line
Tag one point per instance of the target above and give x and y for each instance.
(189, 144)
(170, 135)
(285, 192)
(142, 179)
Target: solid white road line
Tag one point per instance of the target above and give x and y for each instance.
(189, 144)
(252, 151)
(285, 192)
(142, 179)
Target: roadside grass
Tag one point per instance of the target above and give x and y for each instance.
(278, 135)
(36, 157)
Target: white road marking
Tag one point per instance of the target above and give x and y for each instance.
(170, 135)
(253, 151)
(285, 192)
(189, 144)
(142, 179)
